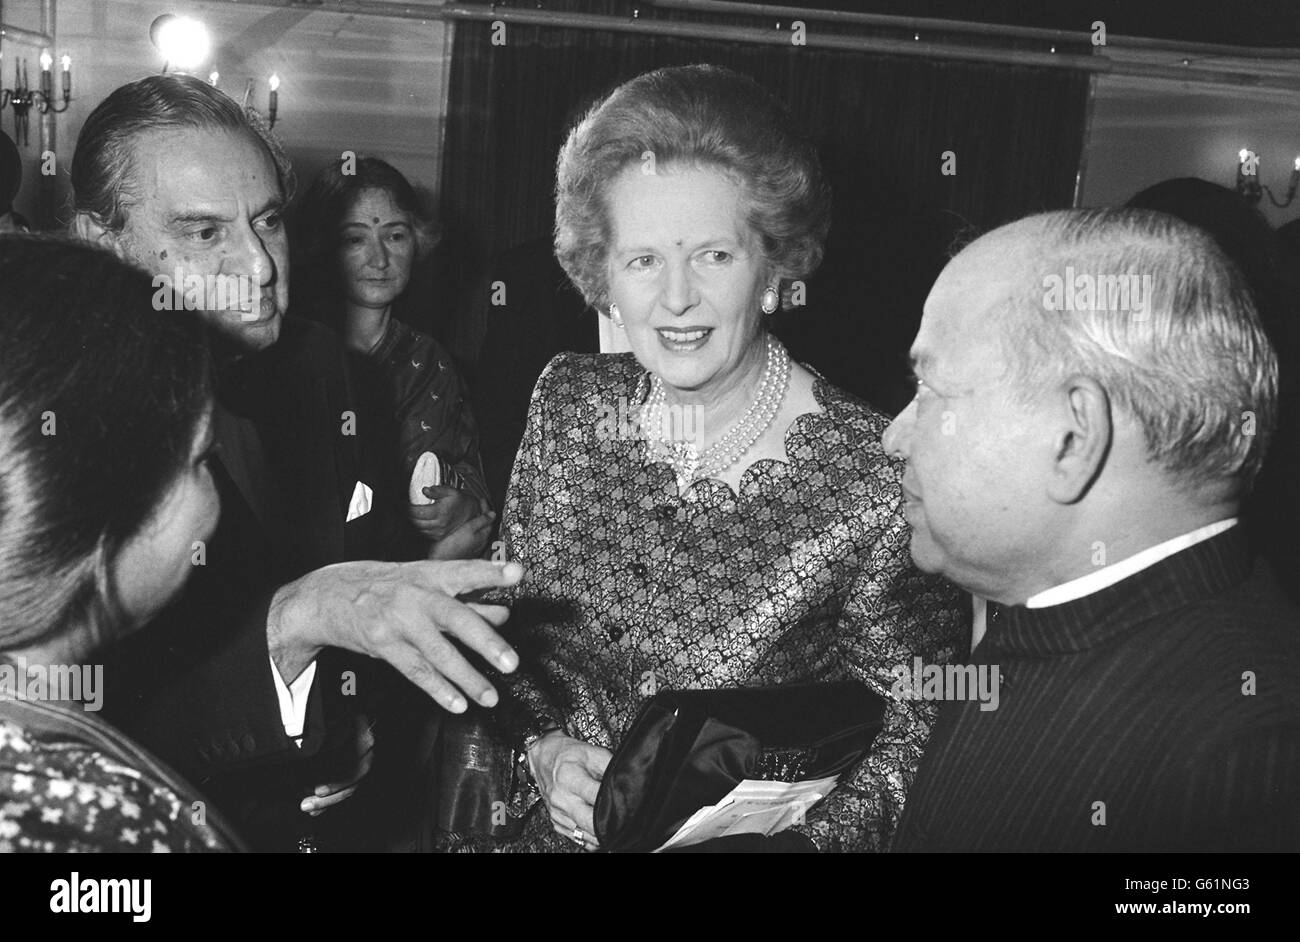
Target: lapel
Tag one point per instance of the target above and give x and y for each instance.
(240, 454)
(305, 438)
(291, 421)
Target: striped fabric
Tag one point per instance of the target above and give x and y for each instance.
(1159, 714)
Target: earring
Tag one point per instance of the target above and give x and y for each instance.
(615, 316)
(771, 300)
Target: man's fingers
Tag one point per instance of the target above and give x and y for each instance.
(318, 803)
(367, 737)
(467, 627)
(416, 667)
(494, 615)
(467, 575)
(362, 769)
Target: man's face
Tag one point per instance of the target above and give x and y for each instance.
(976, 460)
(208, 203)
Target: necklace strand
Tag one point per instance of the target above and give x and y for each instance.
(664, 443)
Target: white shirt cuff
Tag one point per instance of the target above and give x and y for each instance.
(293, 700)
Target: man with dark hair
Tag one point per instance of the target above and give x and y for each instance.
(252, 684)
(1095, 398)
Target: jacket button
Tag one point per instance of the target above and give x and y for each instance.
(615, 632)
(639, 570)
(248, 742)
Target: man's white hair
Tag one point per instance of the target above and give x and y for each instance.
(1186, 357)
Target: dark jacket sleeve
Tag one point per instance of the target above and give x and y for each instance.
(196, 685)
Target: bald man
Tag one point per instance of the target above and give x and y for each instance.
(1094, 398)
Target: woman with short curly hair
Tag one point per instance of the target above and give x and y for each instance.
(702, 512)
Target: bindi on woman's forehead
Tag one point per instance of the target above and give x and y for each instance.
(374, 220)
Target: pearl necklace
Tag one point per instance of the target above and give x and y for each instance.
(691, 465)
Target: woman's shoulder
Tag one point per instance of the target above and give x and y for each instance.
(848, 424)
(58, 795)
(401, 341)
(591, 376)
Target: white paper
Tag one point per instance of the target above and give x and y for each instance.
(752, 807)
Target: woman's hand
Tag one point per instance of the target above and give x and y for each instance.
(450, 509)
(467, 541)
(568, 773)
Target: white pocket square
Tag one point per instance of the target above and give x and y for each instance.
(360, 505)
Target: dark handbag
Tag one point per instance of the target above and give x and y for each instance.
(687, 749)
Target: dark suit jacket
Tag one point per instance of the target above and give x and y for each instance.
(1159, 714)
(196, 685)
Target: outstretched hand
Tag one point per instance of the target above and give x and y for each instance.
(404, 613)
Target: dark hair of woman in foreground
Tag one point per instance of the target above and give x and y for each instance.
(104, 491)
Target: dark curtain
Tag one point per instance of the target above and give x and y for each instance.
(882, 124)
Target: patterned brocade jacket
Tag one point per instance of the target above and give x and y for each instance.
(804, 575)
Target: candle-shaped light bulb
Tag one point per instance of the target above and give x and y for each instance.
(67, 63)
(274, 102)
(214, 77)
(47, 60)
(1297, 165)
(67, 77)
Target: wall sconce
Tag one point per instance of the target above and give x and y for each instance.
(22, 97)
(1252, 190)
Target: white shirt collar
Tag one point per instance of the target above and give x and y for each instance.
(1115, 572)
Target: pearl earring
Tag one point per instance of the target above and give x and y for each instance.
(615, 316)
(771, 300)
